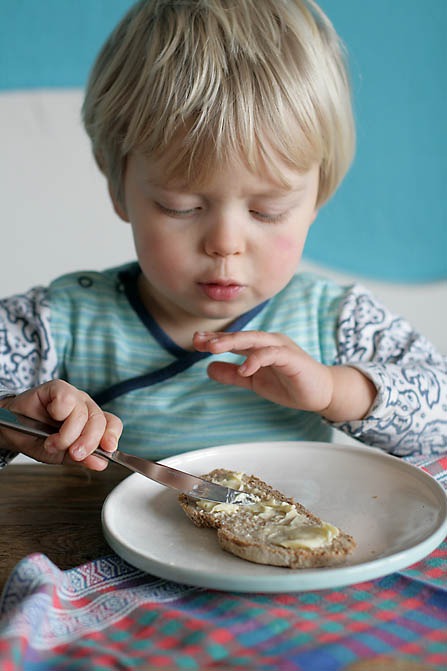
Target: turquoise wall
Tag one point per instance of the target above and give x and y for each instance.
(389, 218)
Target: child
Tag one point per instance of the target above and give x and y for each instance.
(222, 128)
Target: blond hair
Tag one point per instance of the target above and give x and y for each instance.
(215, 79)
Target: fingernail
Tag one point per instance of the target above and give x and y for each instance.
(113, 440)
(79, 452)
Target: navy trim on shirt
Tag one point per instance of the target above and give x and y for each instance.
(129, 280)
(184, 359)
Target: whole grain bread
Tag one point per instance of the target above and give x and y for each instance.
(246, 533)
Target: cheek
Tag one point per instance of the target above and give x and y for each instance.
(286, 249)
(285, 244)
(152, 245)
(160, 257)
(280, 262)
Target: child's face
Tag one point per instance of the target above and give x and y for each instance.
(210, 253)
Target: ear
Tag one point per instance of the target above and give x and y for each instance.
(117, 206)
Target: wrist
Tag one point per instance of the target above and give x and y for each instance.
(353, 394)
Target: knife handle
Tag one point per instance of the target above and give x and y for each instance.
(32, 427)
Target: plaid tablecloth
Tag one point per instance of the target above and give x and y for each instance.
(107, 615)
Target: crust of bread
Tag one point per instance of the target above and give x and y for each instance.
(238, 532)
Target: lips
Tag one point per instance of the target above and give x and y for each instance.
(221, 290)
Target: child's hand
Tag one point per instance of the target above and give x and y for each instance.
(277, 369)
(80, 425)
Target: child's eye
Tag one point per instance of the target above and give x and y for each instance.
(171, 212)
(271, 218)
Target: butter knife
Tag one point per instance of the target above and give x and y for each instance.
(188, 484)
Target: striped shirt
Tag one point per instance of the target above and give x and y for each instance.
(92, 330)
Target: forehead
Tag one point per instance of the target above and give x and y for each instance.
(274, 179)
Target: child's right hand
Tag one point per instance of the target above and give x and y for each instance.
(79, 423)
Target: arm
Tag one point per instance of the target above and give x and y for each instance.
(28, 361)
(409, 415)
(26, 353)
(386, 388)
(278, 369)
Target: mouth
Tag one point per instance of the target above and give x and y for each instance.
(221, 290)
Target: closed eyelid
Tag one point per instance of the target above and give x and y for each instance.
(269, 216)
(275, 206)
(177, 211)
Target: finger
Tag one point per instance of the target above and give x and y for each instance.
(58, 398)
(102, 429)
(71, 416)
(204, 341)
(108, 441)
(112, 433)
(91, 434)
(94, 463)
(70, 430)
(81, 429)
(277, 357)
(228, 373)
(238, 341)
(34, 402)
(67, 407)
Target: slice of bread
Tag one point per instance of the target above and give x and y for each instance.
(276, 531)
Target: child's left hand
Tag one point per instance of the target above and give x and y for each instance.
(278, 369)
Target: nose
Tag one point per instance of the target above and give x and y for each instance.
(224, 235)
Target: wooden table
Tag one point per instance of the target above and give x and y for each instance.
(55, 510)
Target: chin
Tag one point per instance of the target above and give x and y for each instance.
(227, 315)
(221, 311)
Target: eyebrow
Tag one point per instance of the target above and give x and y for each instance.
(181, 187)
(189, 188)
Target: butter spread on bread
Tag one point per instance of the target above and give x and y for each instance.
(276, 530)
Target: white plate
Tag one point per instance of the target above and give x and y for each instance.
(396, 512)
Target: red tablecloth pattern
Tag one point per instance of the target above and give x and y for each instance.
(108, 615)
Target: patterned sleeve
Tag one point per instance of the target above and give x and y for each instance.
(409, 415)
(27, 353)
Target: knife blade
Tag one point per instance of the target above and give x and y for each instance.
(186, 483)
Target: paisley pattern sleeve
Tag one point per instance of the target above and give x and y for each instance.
(409, 415)
(27, 352)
